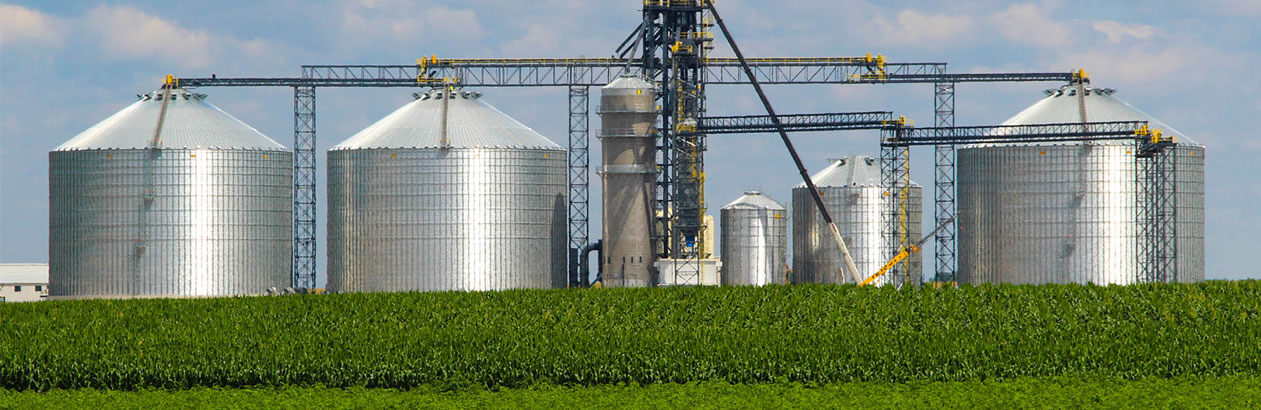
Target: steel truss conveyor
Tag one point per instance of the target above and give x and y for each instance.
(578, 75)
(1153, 155)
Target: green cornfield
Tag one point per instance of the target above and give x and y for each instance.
(813, 335)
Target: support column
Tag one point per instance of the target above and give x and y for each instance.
(895, 185)
(946, 239)
(1156, 207)
(579, 180)
(304, 187)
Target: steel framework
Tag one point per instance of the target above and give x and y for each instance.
(895, 182)
(304, 203)
(744, 124)
(579, 177)
(1155, 162)
(1156, 209)
(945, 263)
(672, 38)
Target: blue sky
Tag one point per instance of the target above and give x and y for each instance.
(66, 65)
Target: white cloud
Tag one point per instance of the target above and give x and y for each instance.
(538, 39)
(1138, 66)
(912, 28)
(125, 33)
(1029, 24)
(402, 22)
(1119, 31)
(20, 25)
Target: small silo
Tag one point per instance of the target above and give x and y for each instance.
(754, 241)
(169, 197)
(850, 188)
(446, 193)
(628, 172)
(1065, 213)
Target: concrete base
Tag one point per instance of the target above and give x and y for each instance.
(689, 272)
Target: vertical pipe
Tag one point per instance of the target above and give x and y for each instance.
(446, 101)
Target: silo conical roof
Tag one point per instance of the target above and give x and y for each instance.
(852, 170)
(755, 199)
(1061, 106)
(190, 123)
(470, 123)
(626, 83)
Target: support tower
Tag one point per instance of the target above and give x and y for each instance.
(675, 38)
(628, 116)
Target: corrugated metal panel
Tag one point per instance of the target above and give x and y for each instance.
(191, 123)
(455, 219)
(183, 223)
(1065, 213)
(1190, 197)
(471, 122)
(851, 191)
(754, 241)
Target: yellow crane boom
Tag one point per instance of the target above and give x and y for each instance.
(904, 253)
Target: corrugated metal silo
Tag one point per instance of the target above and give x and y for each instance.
(754, 241)
(446, 194)
(850, 188)
(1065, 213)
(628, 117)
(181, 200)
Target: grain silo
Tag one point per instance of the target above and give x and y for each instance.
(628, 172)
(1065, 213)
(850, 188)
(446, 193)
(754, 241)
(169, 197)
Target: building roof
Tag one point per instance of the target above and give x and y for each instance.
(470, 123)
(1062, 106)
(851, 170)
(190, 123)
(20, 273)
(753, 199)
(626, 83)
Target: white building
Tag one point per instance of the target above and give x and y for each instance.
(23, 282)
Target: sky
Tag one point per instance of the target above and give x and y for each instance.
(66, 65)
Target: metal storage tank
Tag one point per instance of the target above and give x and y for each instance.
(754, 241)
(1065, 213)
(446, 194)
(628, 118)
(850, 188)
(169, 197)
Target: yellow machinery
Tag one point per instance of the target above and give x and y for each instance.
(906, 252)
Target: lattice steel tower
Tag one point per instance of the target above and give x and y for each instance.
(675, 38)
